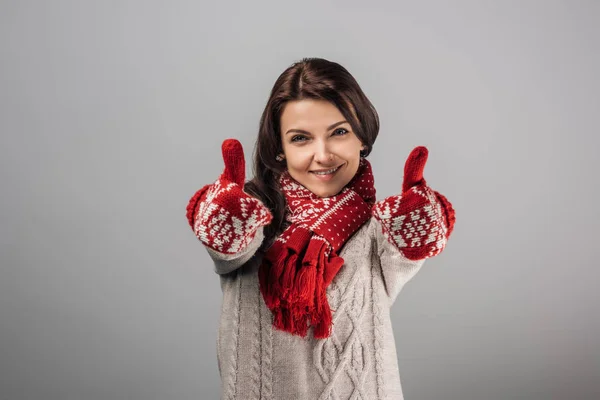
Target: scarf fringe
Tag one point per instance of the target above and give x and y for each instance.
(294, 284)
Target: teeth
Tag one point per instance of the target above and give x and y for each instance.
(326, 172)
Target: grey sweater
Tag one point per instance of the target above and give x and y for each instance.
(358, 360)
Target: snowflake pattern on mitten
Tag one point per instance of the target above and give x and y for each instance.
(419, 221)
(222, 215)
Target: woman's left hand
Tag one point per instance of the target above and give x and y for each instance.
(418, 221)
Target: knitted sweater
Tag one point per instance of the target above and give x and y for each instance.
(358, 360)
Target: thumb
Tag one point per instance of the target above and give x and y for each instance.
(413, 168)
(235, 165)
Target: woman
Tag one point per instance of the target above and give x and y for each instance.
(310, 263)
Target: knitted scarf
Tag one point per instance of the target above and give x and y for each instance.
(297, 269)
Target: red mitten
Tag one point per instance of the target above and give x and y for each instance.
(420, 220)
(222, 215)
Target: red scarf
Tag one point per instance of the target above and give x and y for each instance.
(303, 260)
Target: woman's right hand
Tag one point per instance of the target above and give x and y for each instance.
(222, 215)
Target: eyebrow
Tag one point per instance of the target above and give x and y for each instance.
(308, 133)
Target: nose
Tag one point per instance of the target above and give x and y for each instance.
(323, 154)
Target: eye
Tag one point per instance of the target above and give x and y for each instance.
(340, 131)
(298, 138)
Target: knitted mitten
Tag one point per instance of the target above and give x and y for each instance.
(221, 214)
(420, 220)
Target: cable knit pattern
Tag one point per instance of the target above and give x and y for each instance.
(357, 361)
(255, 363)
(378, 335)
(232, 370)
(266, 348)
(343, 349)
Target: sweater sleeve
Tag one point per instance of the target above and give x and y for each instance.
(396, 269)
(226, 263)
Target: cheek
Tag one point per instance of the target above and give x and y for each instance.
(298, 159)
(353, 157)
(349, 149)
(353, 163)
(352, 171)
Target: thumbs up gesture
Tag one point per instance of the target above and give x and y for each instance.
(420, 220)
(222, 215)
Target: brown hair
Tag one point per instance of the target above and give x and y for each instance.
(310, 78)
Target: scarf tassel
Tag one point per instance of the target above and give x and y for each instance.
(294, 284)
(268, 277)
(307, 275)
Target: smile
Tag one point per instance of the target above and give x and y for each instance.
(329, 172)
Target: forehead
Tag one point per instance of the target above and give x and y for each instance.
(308, 112)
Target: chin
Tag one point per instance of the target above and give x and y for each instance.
(326, 192)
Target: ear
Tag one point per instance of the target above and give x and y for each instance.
(363, 151)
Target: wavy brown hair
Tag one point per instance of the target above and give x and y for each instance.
(310, 78)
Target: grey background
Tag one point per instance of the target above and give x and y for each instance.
(112, 115)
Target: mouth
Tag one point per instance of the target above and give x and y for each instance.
(327, 173)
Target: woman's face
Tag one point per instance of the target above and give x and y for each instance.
(321, 151)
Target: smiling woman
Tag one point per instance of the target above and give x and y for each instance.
(321, 156)
(310, 262)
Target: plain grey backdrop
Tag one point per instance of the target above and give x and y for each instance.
(112, 115)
